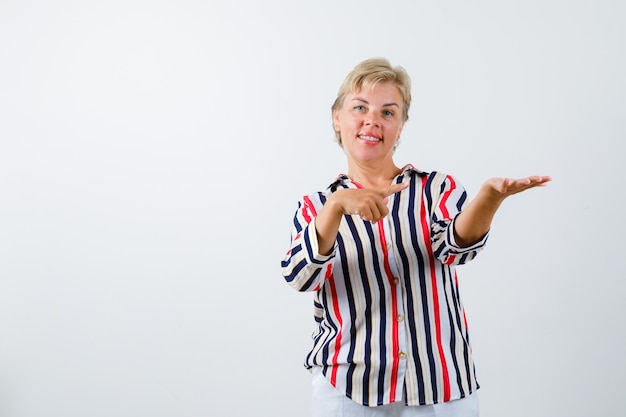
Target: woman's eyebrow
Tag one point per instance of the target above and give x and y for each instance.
(366, 102)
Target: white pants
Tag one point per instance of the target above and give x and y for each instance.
(329, 402)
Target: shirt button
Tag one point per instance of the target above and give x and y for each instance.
(402, 355)
(389, 246)
(400, 317)
(396, 281)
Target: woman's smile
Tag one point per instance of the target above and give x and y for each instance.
(370, 139)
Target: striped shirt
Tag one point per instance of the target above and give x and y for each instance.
(389, 319)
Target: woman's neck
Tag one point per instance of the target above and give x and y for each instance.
(373, 177)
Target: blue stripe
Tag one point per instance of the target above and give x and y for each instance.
(309, 283)
(296, 221)
(408, 281)
(351, 307)
(424, 294)
(461, 201)
(296, 270)
(463, 330)
(309, 249)
(330, 323)
(365, 280)
(452, 309)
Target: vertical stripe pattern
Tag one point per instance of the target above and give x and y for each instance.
(388, 314)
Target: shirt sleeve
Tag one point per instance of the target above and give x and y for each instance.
(303, 267)
(451, 198)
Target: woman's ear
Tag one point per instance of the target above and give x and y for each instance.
(400, 131)
(336, 122)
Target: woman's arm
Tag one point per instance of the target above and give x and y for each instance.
(475, 220)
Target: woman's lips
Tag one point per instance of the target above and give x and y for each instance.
(369, 138)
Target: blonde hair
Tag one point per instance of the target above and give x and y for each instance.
(372, 72)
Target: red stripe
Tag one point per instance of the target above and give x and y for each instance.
(456, 279)
(444, 198)
(329, 271)
(308, 207)
(433, 279)
(327, 275)
(394, 309)
(445, 213)
(333, 374)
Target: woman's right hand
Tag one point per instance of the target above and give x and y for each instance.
(370, 205)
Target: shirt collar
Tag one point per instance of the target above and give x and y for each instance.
(406, 170)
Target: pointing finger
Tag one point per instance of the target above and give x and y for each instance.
(394, 188)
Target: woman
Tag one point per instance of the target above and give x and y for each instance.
(378, 249)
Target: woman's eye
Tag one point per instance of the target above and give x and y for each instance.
(388, 113)
(359, 108)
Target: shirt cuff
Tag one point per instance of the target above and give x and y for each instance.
(459, 249)
(312, 246)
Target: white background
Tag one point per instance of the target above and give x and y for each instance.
(151, 157)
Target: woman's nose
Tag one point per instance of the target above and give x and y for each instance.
(372, 119)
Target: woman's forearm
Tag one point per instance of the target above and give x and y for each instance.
(327, 226)
(475, 220)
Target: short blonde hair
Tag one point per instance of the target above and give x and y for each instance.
(372, 72)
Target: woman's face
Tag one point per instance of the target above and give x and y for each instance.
(370, 122)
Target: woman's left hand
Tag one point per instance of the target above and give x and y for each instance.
(500, 188)
(475, 220)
